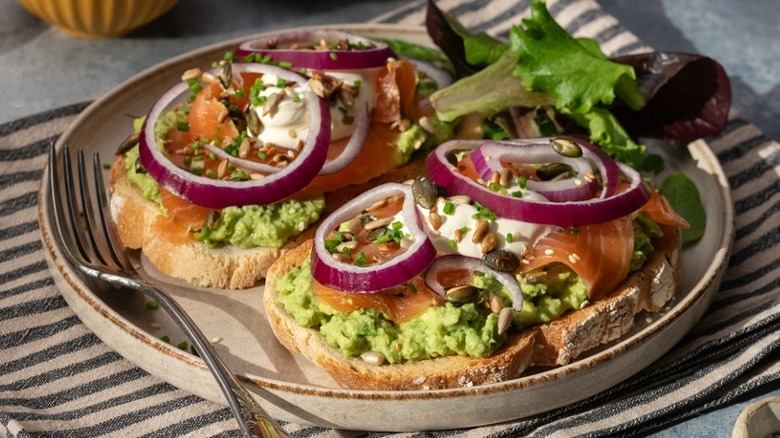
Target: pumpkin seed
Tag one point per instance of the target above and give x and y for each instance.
(272, 102)
(551, 170)
(462, 294)
(501, 260)
(226, 75)
(424, 192)
(566, 147)
(139, 167)
(376, 233)
(128, 143)
(253, 122)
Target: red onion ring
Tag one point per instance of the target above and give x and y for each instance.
(459, 262)
(215, 193)
(488, 158)
(350, 278)
(354, 145)
(375, 56)
(564, 214)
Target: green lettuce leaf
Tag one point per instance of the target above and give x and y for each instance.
(577, 74)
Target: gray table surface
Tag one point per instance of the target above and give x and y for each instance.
(41, 68)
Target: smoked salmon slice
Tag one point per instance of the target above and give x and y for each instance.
(600, 254)
(661, 211)
(400, 304)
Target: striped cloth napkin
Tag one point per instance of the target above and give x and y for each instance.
(58, 379)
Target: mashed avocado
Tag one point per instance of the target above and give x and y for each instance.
(268, 225)
(248, 226)
(469, 330)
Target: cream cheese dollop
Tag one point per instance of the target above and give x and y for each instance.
(523, 234)
(287, 122)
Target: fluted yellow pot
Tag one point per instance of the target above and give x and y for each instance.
(97, 18)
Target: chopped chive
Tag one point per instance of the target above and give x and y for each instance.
(453, 244)
(361, 260)
(262, 155)
(152, 305)
(183, 126)
(449, 208)
(182, 345)
(522, 181)
(165, 338)
(510, 237)
(334, 56)
(517, 194)
(281, 83)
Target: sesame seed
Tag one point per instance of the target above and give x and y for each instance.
(549, 252)
(155, 325)
(574, 258)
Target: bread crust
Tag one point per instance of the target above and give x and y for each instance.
(551, 344)
(193, 261)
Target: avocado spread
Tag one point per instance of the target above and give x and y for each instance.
(470, 329)
(248, 226)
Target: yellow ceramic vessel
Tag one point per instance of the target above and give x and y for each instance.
(98, 18)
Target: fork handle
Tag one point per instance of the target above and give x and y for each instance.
(253, 421)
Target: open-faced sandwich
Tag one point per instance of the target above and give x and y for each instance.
(232, 165)
(508, 254)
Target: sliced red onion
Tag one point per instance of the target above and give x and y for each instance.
(354, 145)
(564, 214)
(215, 193)
(490, 156)
(459, 262)
(375, 54)
(351, 278)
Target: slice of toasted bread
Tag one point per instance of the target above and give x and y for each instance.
(555, 343)
(193, 261)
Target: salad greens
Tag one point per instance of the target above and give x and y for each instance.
(550, 67)
(548, 82)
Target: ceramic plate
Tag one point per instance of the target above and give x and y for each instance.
(292, 389)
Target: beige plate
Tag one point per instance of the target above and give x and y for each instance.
(296, 391)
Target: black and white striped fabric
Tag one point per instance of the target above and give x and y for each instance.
(59, 379)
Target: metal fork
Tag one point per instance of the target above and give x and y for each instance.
(92, 246)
